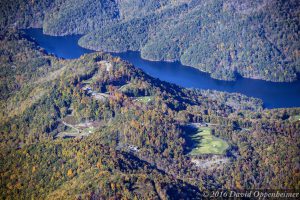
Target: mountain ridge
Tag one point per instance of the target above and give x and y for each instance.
(224, 38)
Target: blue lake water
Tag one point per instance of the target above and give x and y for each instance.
(274, 95)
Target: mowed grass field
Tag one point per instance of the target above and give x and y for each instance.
(207, 143)
(145, 99)
(294, 118)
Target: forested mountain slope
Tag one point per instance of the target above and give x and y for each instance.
(227, 38)
(97, 127)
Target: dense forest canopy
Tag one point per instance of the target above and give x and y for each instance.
(97, 127)
(228, 38)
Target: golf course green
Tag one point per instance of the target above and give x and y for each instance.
(207, 143)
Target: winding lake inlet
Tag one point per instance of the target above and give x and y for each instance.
(274, 95)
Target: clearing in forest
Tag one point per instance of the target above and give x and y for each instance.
(144, 99)
(206, 143)
(78, 130)
(295, 118)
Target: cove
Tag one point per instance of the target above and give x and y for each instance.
(274, 95)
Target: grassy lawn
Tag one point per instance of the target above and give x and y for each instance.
(207, 143)
(90, 129)
(90, 81)
(294, 118)
(145, 99)
(125, 87)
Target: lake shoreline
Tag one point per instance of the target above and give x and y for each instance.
(273, 94)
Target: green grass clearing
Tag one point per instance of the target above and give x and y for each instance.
(90, 129)
(125, 87)
(145, 99)
(294, 118)
(208, 144)
(89, 81)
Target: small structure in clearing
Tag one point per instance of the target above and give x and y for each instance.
(78, 130)
(106, 64)
(96, 95)
(214, 162)
(133, 148)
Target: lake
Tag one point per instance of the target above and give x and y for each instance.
(274, 95)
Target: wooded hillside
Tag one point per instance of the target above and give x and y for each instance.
(97, 127)
(227, 38)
